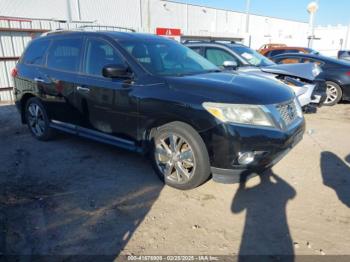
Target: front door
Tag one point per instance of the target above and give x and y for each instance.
(106, 104)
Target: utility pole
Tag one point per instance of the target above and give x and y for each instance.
(247, 18)
(68, 12)
(148, 16)
(347, 37)
(78, 9)
(312, 9)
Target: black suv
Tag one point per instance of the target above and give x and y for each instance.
(155, 96)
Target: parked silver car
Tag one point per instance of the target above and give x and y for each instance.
(302, 78)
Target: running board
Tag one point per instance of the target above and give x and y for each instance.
(95, 135)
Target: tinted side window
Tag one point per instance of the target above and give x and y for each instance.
(35, 53)
(289, 60)
(218, 56)
(310, 60)
(293, 51)
(64, 54)
(196, 49)
(275, 52)
(99, 53)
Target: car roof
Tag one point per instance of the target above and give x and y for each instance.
(288, 47)
(318, 57)
(112, 34)
(298, 54)
(229, 45)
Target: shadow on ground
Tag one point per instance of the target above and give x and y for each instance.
(69, 196)
(266, 228)
(336, 175)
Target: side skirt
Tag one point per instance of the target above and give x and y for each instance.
(96, 135)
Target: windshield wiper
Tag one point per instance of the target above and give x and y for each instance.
(213, 71)
(196, 73)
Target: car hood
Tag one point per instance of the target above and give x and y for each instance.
(238, 88)
(308, 71)
(298, 89)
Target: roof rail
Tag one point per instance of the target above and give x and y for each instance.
(107, 27)
(188, 39)
(91, 28)
(208, 41)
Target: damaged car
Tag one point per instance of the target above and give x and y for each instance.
(304, 79)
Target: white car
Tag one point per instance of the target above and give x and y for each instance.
(301, 78)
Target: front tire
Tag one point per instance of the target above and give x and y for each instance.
(179, 156)
(37, 120)
(334, 94)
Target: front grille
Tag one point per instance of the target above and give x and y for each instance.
(288, 112)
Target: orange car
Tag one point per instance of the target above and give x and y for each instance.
(270, 50)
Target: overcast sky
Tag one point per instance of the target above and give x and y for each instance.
(331, 11)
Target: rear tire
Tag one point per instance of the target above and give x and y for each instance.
(179, 156)
(334, 94)
(37, 120)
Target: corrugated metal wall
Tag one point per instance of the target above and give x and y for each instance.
(111, 12)
(15, 34)
(142, 15)
(146, 15)
(12, 44)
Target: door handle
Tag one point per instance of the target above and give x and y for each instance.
(38, 79)
(83, 89)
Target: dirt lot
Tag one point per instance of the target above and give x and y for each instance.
(74, 196)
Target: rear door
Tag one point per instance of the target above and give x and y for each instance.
(30, 68)
(59, 78)
(107, 104)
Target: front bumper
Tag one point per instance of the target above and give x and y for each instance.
(225, 143)
(314, 94)
(304, 93)
(319, 94)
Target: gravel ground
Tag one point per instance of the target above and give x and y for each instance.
(72, 196)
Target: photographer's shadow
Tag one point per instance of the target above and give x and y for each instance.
(266, 230)
(336, 175)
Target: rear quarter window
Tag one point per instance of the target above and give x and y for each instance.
(64, 54)
(196, 49)
(282, 51)
(289, 60)
(35, 53)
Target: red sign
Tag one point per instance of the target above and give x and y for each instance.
(169, 32)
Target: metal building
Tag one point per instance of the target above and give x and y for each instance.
(20, 21)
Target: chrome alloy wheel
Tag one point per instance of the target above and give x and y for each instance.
(332, 94)
(174, 158)
(36, 119)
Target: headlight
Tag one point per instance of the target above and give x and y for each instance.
(316, 70)
(240, 114)
(298, 108)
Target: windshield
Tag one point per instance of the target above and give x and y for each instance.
(252, 57)
(167, 57)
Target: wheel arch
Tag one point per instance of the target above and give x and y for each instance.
(339, 83)
(147, 131)
(23, 103)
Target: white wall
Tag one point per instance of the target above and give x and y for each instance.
(332, 39)
(273, 30)
(147, 15)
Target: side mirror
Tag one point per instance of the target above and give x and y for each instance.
(116, 71)
(231, 65)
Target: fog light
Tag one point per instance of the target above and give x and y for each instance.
(246, 158)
